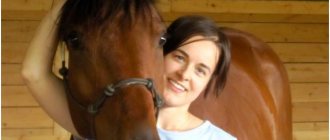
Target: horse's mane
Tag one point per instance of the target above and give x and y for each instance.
(101, 12)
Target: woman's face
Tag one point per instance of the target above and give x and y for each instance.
(188, 70)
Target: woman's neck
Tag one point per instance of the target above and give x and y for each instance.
(177, 119)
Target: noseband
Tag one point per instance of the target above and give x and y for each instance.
(109, 91)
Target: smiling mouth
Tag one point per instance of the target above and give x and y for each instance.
(176, 87)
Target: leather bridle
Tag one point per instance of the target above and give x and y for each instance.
(110, 90)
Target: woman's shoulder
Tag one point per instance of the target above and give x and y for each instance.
(216, 133)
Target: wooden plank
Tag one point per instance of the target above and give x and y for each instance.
(45, 5)
(23, 15)
(311, 131)
(24, 9)
(311, 135)
(284, 32)
(26, 5)
(55, 2)
(42, 137)
(22, 31)
(11, 74)
(298, 73)
(246, 17)
(27, 132)
(13, 52)
(312, 126)
(18, 31)
(30, 10)
(302, 52)
(263, 7)
(29, 117)
(307, 72)
(309, 92)
(310, 112)
(17, 96)
(163, 5)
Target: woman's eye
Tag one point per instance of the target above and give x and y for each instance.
(179, 58)
(201, 72)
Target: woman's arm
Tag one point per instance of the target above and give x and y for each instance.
(47, 89)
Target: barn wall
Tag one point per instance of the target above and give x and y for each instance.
(296, 30)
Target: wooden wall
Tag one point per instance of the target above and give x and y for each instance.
(296, 30)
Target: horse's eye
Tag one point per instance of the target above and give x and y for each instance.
(73, 40)
(162, 40)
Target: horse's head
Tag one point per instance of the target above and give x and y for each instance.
(110, 41)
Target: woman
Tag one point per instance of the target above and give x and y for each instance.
(196, 61)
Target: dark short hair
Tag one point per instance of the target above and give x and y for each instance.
(186, 27)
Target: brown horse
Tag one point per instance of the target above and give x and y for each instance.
(109, 82)
(110, 41)
(256, 102)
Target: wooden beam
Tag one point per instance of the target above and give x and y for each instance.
(14, 132)
(25, 9)
(13, 52)
(298, 73)
(28, 117)
(310, 111)
(311, 131)
(18, 31)
(302, 52)
(284, 32)
(11, 74)
(309, 92)
(251, 7)
(252, 18)
(17, 96)
(41, 137)
(163, 6)
(23, 31)
(307, 72)
(23, 15)
(30, 5)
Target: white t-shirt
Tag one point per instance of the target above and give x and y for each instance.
(206, 131)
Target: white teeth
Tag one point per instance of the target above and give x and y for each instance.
(180, 87)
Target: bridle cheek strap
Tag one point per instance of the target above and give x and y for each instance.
(112, 88)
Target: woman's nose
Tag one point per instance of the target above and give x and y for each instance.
(185, 73)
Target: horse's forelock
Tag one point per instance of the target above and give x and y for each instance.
(99, 13)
